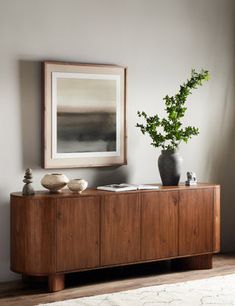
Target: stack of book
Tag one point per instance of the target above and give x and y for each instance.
(126, 187)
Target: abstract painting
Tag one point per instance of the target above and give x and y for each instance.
(84, 115)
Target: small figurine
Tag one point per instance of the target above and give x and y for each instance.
(28, 189)
(191, 179)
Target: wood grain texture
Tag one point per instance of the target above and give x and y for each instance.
(32, 235)
(195, 221)
(120, 229)
(94, 192)
(216, 219)
(159, 226)
(55, 282)
(77, 233)
(52, 234)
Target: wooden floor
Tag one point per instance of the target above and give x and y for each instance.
(108, 280)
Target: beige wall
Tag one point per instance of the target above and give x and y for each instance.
(160, 41)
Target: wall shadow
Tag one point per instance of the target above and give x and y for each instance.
(5, 240)
(30, 98)
(223, 170)
(110, 175)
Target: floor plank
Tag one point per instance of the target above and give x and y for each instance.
(82, 284)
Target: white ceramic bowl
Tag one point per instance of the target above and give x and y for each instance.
(54, 181)
(77, 185)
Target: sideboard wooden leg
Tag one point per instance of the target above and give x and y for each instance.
(193, 262)
(56, 282)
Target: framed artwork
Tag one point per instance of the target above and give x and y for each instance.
(84, 115)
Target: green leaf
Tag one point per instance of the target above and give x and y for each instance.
(175, 108)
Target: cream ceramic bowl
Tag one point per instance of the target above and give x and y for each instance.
(54, 182)
(77, 185)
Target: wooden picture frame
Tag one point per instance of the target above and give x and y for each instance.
(84, 115)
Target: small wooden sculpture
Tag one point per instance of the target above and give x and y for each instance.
(28, 188)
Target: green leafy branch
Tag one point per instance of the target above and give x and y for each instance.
(168, 132)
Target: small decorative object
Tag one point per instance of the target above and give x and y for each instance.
(169, 132)
(191, 179)
(84, 115)
(77, 185)
(126, 187)
(54, 182)
(28, 179)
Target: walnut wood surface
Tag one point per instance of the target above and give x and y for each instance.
(120, 230)
(77, 233)
(33, 235)
(216, 219)
(55, 282)
(95, 192)
(52, 234)
(159, 227)
(196, 221)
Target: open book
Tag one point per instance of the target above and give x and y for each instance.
(126, 187)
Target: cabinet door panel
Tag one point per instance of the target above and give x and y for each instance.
(195, 221)
(77, 233)
(33, 235)
(120, 229)
(159, 211)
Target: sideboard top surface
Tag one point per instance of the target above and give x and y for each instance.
(94, 192)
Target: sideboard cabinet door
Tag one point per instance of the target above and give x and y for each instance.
(195, 221)
(77, 233)
(159, 235)
(33, 235)
(120, 229)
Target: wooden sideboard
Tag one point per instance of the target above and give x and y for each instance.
(54, 234)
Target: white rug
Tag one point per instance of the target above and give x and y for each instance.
(214, 291)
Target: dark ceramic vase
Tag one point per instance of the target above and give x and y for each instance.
(169, 165)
